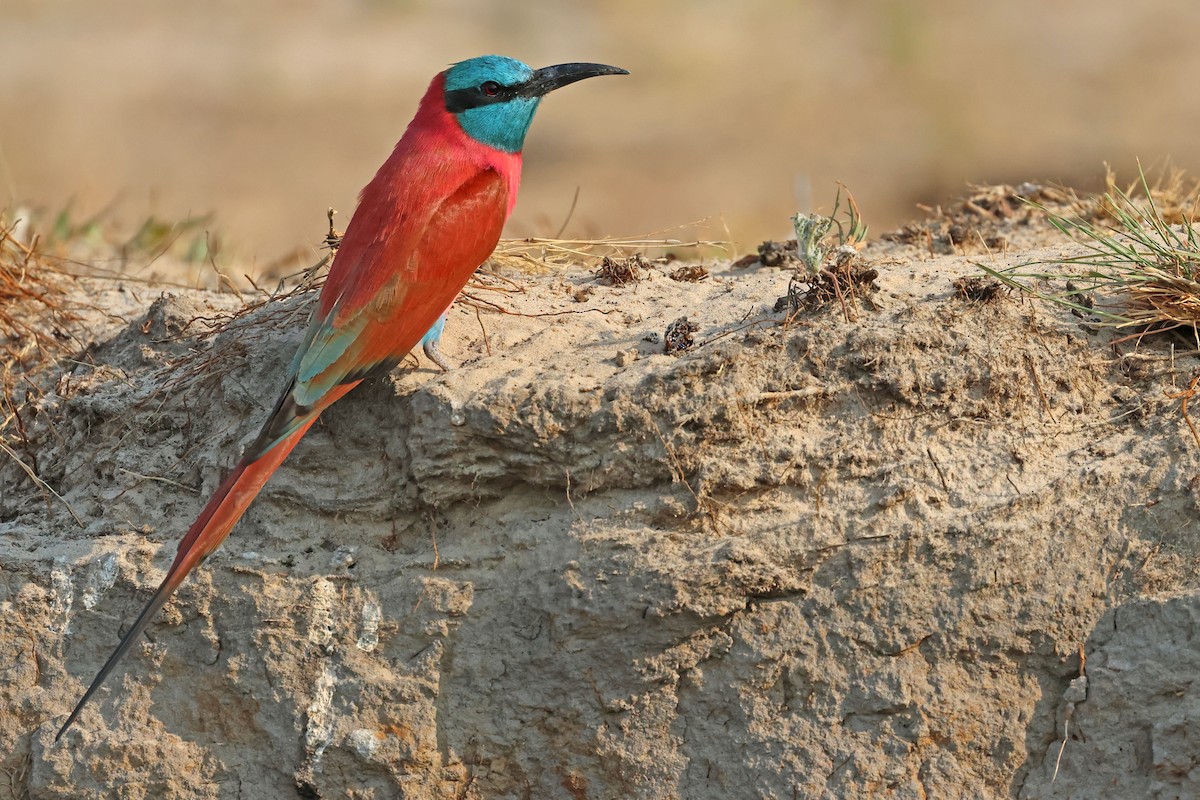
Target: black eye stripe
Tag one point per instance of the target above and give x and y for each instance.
(459, 100)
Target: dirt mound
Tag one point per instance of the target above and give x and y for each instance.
(854, 555)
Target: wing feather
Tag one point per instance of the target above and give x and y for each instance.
(362, 334)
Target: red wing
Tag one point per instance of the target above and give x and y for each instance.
(383, 309)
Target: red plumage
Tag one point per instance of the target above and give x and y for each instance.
(435, 168)
(431, 215)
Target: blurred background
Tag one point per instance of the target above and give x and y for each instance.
(257, 116)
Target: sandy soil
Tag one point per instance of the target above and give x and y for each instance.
(893, 549)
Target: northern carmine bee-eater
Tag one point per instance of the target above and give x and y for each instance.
(430, 216)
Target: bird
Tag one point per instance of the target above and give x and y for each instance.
(432, 214)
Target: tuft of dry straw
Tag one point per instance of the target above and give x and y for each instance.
(33, 318)
(35, 324)
(1173, 194)
(1142, 258)
(530, 255)
(536, 255)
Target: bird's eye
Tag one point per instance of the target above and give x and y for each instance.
(490, 88)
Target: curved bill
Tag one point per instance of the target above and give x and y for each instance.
(547, 79)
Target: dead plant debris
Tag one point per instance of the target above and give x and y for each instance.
(34, 322)
(985, 219)
(976, 289)
(1185, 397)
(980, 221)
(778, 254)
(1085, 302)
(689, 273)
(1174, 196)
(621, 271)
(843, 283)
(37, 330)
(678, 337)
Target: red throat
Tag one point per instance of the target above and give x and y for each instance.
(434, 126)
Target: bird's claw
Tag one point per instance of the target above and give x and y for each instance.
(435, 355)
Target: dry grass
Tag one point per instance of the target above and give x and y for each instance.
(1172, 194)
(34, 320)
(499, 277)
(34, 325)
(15, 778)
(536, 255)
(621, 271)
(37, 330)
(1141, 259)
(37, 326)
(613, 259)
(1186, 396)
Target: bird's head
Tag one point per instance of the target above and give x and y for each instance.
(494, 98)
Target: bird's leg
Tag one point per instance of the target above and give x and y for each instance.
(435, 355)
(429, 343)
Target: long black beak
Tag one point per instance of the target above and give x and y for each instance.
(547, 79)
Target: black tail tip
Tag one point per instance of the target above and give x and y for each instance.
(66, 726)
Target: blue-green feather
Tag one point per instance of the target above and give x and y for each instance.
(500, 125)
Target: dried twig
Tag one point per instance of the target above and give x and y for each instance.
(41, 483)
(1186, 395)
